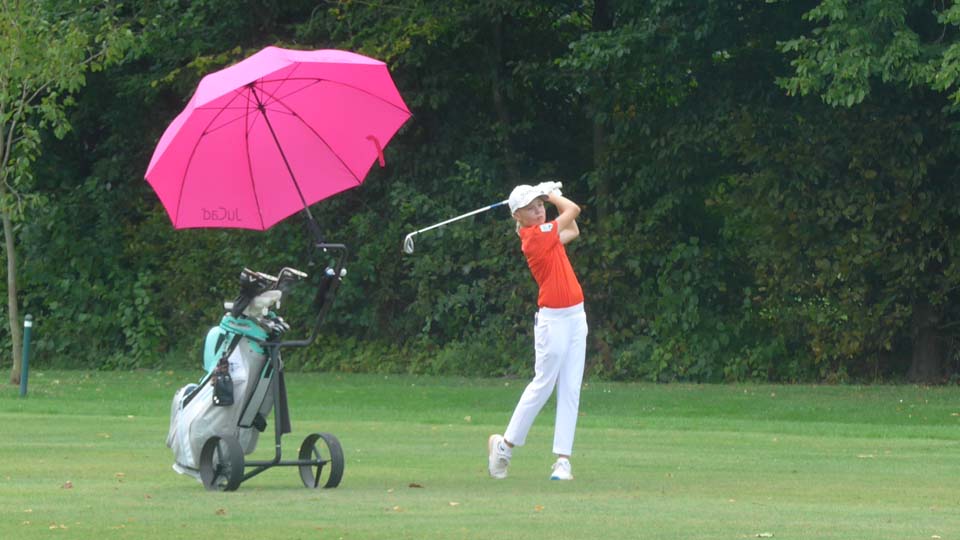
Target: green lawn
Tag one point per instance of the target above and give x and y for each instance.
(83, 456)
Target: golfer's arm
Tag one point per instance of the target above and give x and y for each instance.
(570, 233)
(567, 218)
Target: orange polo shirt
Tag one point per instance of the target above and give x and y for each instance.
(548, 262)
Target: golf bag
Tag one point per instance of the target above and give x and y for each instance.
(233, 399)
(216, 422)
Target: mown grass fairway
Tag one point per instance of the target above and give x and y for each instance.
(83, 457)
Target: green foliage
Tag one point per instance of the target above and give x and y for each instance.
(730, 232)
(47, 52)
(847, 240)
(690, 341)
(854, 44)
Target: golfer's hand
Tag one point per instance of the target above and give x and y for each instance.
(550, 187)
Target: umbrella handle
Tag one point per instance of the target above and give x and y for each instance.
(376, 142)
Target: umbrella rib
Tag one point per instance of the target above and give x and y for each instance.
(246, 143)
(265, 103)
(279, 98)
(317, 135)
(193, 152)
(228, 122)
(293, 178)
(244, 108)
(316, 80)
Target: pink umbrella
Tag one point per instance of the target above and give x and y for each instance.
(273, 134)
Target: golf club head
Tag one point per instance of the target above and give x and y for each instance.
(408, 243)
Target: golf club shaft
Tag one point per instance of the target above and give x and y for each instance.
(468, 214)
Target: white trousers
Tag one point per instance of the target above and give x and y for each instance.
(560, 342)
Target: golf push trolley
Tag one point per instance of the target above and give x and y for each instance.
(216, 422)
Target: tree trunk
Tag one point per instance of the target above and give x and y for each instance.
(13, 308)
(928, 357)
(13, 312)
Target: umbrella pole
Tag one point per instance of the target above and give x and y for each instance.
(311, 223)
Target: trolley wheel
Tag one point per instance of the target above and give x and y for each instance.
(221, 464)
(326, 461)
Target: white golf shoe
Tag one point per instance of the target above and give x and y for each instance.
(499, 457)
(562, 470)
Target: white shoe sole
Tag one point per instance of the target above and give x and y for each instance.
(490, 459)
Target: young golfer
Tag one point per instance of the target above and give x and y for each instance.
(560, 330)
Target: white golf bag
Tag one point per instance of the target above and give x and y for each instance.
(216, 422)
(194, 418)
(194, 415)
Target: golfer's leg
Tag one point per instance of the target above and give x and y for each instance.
(568, 384)
(536, 393)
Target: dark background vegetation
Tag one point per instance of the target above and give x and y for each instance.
(769, 190)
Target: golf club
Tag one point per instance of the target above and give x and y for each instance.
(408, 241)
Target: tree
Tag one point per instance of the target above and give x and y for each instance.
(735, 228)
(47, 49)
(886, 66)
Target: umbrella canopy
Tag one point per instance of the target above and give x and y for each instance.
(272, 134)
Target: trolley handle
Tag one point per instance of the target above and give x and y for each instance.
(326, 290)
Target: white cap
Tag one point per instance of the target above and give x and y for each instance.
(523, 195)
